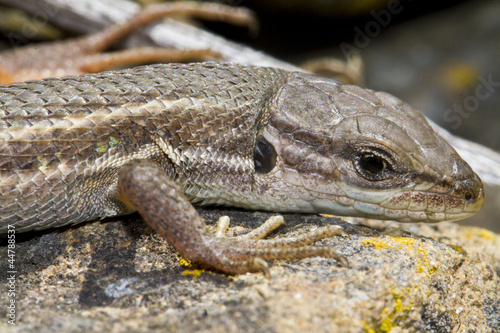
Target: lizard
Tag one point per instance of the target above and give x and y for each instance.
(83, 54)
(156, 139)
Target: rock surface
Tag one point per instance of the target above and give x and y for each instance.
(119, 275)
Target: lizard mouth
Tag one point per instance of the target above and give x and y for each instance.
(407, 206)
(435, 207)
(446, 201)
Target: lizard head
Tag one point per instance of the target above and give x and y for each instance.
(341, 149)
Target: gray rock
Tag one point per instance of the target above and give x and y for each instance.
(119, 275)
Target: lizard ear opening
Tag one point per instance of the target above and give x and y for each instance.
(264, 156)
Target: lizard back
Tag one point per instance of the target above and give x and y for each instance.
(63, 140)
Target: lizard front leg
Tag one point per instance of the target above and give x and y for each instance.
(145, 187)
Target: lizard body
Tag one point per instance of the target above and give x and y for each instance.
(84, 147)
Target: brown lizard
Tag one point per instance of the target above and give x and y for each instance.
(151, 139)
(83, 55)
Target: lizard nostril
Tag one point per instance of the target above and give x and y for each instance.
(471, 189)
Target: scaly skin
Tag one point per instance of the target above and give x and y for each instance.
(80, 148)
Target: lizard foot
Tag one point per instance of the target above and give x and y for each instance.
(145, 187)
(254, 250)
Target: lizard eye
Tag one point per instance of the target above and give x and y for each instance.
(373, 165)
(264, 156)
